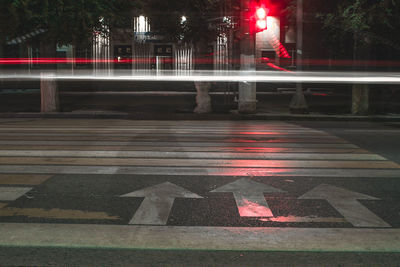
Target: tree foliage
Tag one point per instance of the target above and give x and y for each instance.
(364, 23)
(203, 18)
(64, 21)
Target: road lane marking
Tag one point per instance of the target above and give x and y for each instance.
(145, 136)
(172, 126)
(200, 162)
(113, 123)
(199, 238)
(305, 219)
(183, 155)
(195, 171)
(141, 139)
(346, 203)
(56, 213)
(369, 131)
(49, 122)
(249, 197)
(172, 130)
(178, 144)
(11, 193)
(157, 202)
(198, 125)
(168, 131)
(253, 150)
(23, 179)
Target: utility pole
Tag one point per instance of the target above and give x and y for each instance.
(298, 104)
(247, 90)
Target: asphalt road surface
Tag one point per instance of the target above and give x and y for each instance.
(238, 193)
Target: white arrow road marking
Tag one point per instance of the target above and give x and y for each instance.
(345, 202)
(157, 203)
(249, 197)
(13, 193)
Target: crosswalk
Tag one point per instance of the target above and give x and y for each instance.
(33, 151)
(184, 147)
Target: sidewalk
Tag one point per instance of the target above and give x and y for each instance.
(178, 106)
(234, 115)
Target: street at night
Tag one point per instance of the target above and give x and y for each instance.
(200, 133)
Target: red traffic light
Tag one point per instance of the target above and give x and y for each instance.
(261, 13)
(261, 25)
(261, 19)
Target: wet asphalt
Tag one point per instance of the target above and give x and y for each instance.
(102, 193)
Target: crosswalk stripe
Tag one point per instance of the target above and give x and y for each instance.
(195, 171)
(165, 135)
(187, 155)
(176, 144)
(56, 213)
(253, 150)
(180, 139)
(167, 130)
(201, 162)
(124, 123)
(181, 237)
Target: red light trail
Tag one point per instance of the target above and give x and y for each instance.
(282, 53)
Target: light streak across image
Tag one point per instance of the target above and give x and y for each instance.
(206, 76)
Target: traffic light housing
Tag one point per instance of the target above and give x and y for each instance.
(259, 14)
(261, 23)
(253, 17)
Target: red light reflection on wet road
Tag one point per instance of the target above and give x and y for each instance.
(252, 207)
(258, 149)
(307, 219)
(249, 171)
(260, 133)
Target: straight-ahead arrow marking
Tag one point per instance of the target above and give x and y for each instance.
(249, 197)
(345, 202)
(157, 203)
(11, 193)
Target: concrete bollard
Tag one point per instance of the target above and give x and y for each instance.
(49, 93)
(360, 99)
(203, 99)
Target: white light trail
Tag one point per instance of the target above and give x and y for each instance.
(213, 76)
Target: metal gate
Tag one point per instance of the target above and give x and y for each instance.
(141, 57)
(183, 58)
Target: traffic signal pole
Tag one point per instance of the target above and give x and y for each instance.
(298, 103)
(247, 90)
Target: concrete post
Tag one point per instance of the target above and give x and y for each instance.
(360, 99)
(247, 90)
(49, 93)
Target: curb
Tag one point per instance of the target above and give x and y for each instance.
(192, 116)
(318, 117)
